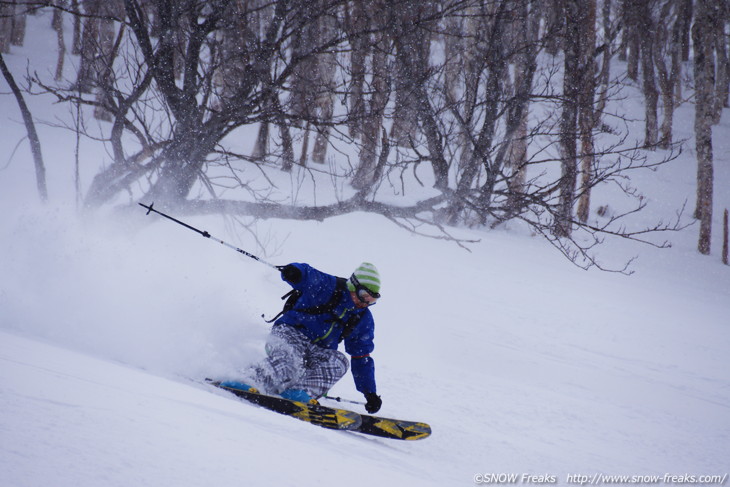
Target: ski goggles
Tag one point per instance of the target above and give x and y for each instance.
(364, 294)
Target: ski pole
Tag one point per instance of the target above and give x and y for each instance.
(206, 235)
(340, 399)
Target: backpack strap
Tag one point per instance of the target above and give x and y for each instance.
(291, 300)
(349, 326)
(330, 305)
(293, 296)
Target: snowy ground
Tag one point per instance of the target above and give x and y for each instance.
(521, 362)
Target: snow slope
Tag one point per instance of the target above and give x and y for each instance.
(71, 420)
(521, 362)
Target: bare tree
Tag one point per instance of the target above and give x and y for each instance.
(90, 47)
(684, 18)
(722, 79)
(57, 24)
(631, 38)
(413, 41)
(668, 66)
(725, 240)
(525, 34)
(704, 69)
(17, 37)
(606, 50)
(487, 63)
(647, 25)
(12, 22)
(325, 75)
(180, 78)
(7, 12)
(586, 106)
(410, 19)
(372, 113)
(356, 23)
(35, 144)
(575, 14)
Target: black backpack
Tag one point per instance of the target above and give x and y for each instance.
(293, 296)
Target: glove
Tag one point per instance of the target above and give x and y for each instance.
(374, 402)
(290, 273)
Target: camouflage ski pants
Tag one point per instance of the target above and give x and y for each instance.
(293, 362)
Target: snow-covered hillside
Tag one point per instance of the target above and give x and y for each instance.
(522, 363)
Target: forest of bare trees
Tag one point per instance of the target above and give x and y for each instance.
(495, 109)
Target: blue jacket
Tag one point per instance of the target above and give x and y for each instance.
(325, 329)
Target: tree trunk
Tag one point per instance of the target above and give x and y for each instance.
(632, 36)
(555, 26)
(472, 60)
(668, 45)
(6, 26)
(609, 36)
(586, 116)
(305, 145)
(725, 238)
(287, 144)
(357, 25)
(517, 160)
(57, 24)
(704, 68)
(182, 162)
(651, 96)
(304, 80)
(723, 74)
(261, 147)
(526, 29)
(105, 63)
(685, 17)
(233, 53)
(569, 118)
(454, 45)
(18, 21)
(489, 55)
(412, 70)
(325, 101)
(412, 63)
(86, 76)
(76, 39)
(35, 143)
(373, 117)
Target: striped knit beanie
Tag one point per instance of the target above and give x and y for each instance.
(367, 275)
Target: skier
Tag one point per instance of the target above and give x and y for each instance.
(321, 311)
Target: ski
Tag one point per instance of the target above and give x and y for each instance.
(395, 429)
(334, 418)
(326, 417)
